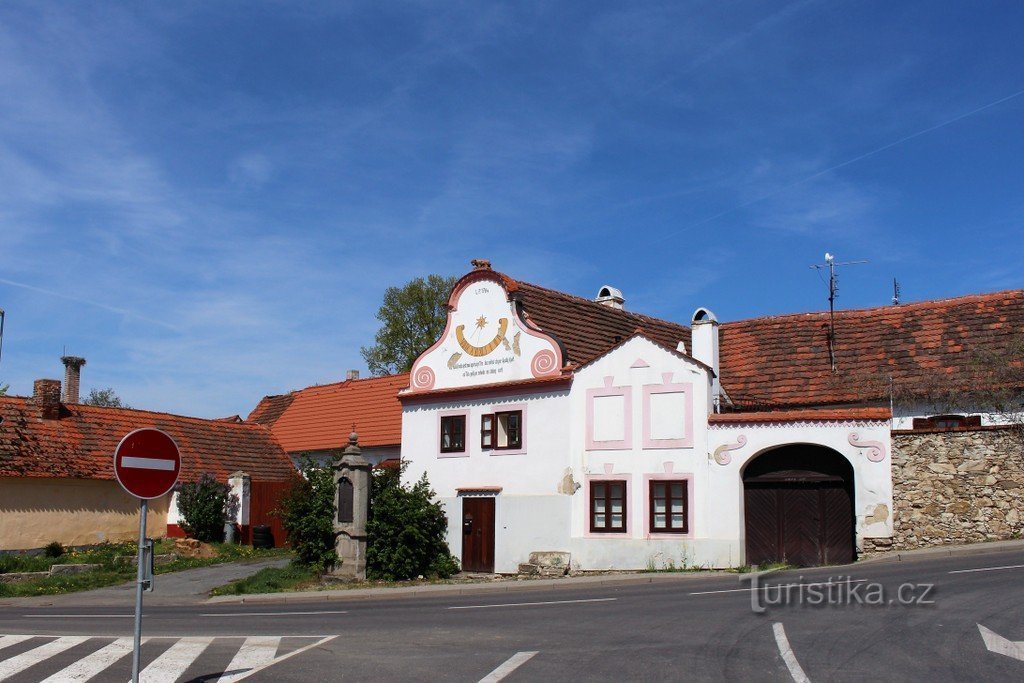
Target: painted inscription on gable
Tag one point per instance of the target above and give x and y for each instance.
(485, 342)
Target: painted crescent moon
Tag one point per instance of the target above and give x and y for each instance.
(486, 348)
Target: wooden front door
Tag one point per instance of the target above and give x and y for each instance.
(478, 534)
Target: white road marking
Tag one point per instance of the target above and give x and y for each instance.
(169, 666)
(779, 585)
(510, 665)
(7, 641)
(531, 604)
(996, 643)
(78, 616)
(291, 654)
(255, 651)
(787, 654)
(11, 666)
(269, 614)
(90, 666)
(987, 569)
(147, 463)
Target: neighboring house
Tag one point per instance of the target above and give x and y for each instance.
(549, 422)
(316, 421)
(57, 467)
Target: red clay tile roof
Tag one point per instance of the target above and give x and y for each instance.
(321, 417)
(807, 415)
(588, 329)
(783, 360)
(80, 445)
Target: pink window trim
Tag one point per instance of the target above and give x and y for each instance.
(627, 428)
(627, 507)
(667, 387)
(668, 476)
(522, 428)
(469, 432)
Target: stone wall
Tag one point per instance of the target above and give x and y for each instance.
(953, 487)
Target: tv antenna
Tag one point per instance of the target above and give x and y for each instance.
(833, 288)
(895, 292)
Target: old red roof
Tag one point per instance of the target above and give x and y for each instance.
(784, 361)
(806, 415)
(80, 444)
(321, 417)
(588, 329)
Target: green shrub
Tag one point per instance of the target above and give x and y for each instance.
(406, 530)
(203, 506)
(307, 514)
(53, 549)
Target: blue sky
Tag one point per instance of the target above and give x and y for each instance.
(207, 200)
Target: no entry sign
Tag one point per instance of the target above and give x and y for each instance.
(147, 463)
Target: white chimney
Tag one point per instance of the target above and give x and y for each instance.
(610, 296)
(351, 375)
(704, 342)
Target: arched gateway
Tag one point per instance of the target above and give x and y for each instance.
(798, 503)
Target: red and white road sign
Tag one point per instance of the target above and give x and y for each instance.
(147, 463)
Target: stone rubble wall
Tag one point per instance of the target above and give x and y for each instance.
(955, 487)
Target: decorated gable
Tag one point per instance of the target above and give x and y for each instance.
(485, 341)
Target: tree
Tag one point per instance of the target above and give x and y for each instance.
(412, 317)
(205, 506)
(406, 530)
(306, 510)
(105, 398)
(3, 389)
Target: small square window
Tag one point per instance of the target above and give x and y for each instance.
(453, 434)
(608, 507)
(502, 430)
(668, 506)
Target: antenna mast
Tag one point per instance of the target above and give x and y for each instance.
(833, 288)
(895, 292)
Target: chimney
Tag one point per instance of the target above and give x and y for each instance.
(46, 397)
(351, 375)
(704, 342)
(610, 296)
(72, 375)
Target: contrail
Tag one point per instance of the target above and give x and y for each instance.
(830, 169)
(89, 302)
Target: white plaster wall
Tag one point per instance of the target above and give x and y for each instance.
(903, 415)
(530, 514)
(872, 480)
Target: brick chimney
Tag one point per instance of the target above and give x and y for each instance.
(351, 375)
(46, 397)
(72, 375)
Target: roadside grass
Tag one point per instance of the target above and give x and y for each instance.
(294, 577)
(116, 565)
(770, 567)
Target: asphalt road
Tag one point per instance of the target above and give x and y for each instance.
(681, 627)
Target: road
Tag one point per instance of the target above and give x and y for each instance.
(679, 627)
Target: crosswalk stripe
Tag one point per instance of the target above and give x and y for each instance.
(7, 641)
(255, 652)
(11, 666)
(87, 667)
(169, 666)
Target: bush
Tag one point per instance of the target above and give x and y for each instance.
(204, 507)
(406, 530)
(53, 549)
(307, 514)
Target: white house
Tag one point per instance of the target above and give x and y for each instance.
(548, 422)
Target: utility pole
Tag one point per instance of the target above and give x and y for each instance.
(833, 289)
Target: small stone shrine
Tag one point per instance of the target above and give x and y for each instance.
(351, 506)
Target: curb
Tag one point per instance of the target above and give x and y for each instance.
(944, 551)
(465, 589)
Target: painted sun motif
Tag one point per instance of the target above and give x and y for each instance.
(481, 322)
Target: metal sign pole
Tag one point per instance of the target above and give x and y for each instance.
(143, 507)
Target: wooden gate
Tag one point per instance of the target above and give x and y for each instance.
(798, 505)
(264, 498)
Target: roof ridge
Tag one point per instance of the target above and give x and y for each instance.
(210, 420)
(964, 298)
(614, 311)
